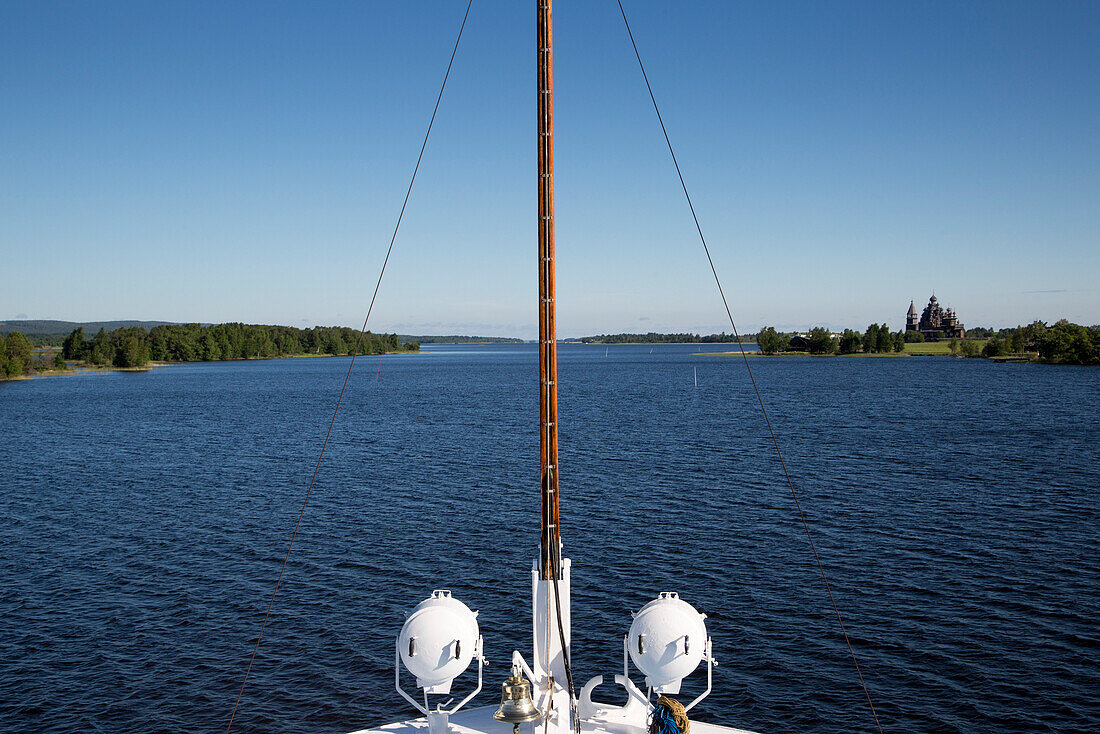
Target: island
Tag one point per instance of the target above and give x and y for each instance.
(135, 347)
(1060, 343)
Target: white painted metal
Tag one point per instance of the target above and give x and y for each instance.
(438, 722)
(438, 641)
(667, 641)
(548, 658)
(547, 672)
(634, 711)
(667, 619)
(424, 709)
(436, 644)
(711, 662)
(480, 720)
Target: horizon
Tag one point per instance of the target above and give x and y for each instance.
(570, 337)
(209, 163)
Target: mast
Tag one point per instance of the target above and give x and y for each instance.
(550, 557)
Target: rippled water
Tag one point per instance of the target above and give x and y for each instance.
(954, 503)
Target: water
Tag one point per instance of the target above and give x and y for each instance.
(954, 503)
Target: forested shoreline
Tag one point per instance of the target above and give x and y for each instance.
(136, 347)
(52, 333)
(17, 358)
(1060, 343)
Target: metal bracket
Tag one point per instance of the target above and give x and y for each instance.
(423, 708)
(625, 678)
(711, 663)
(708, 657)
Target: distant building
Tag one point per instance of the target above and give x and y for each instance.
(799, 343)
(934, 320)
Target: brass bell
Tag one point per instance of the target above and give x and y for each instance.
(516, 704)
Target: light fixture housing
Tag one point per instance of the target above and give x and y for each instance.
(437, 643)
(667, 641)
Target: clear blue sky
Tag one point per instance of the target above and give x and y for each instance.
(224, 161)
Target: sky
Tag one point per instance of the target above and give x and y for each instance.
(224, 161)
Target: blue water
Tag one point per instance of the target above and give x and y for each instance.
(954, 502)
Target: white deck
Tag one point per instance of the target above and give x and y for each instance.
(480, 721)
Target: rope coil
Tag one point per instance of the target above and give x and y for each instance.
(668, 717)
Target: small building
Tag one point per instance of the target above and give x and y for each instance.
(934, 321)
(799, 343)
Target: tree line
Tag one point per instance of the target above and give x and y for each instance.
(1061, 343)
(17, 357)
(876, 339)
(136, 347)
(655, 338)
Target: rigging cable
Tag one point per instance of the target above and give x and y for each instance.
(748, 368)
(354, 353)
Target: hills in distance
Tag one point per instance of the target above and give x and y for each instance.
(51, 332)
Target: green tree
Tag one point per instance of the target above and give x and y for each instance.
(913, 337)
(211, 350)
(17, 353)
(130, 349)
(850, 342)
(335, 345)
(995, 347)
(74, 346)
(59, 362)
(953, 345)
(101, 351)
(884, 341)
(1070, 343)
(11, 367)
(190, 342)
(1016, 340)
(870, 338)
(158, 344)
(1033, 333)
(899, 341)
(822, 342)
(968, 348)
(770, 341)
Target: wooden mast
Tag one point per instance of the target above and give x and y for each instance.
(550, 559)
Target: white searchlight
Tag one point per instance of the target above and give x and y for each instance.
(438, 641)
(667, 641)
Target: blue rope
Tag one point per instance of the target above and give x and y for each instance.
(661, 721)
